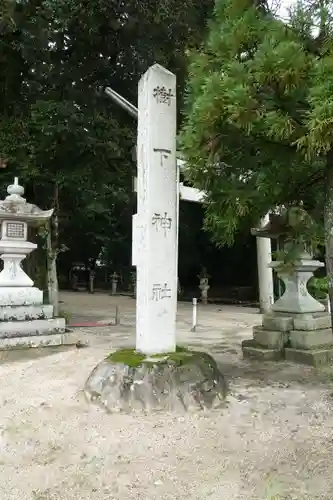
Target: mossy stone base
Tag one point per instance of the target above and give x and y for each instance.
(180, 381)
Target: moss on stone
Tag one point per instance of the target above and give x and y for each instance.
(129, 357)
(180, 356)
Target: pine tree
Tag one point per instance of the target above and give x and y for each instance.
(258, 131)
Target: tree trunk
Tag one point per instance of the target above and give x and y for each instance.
(52, 277)
(52, 244)
(328, 224)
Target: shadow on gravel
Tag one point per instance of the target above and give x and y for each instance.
(17, 355)
(274, 373)
(256, 373)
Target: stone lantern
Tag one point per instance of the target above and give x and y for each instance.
(24, 320)
(114, 283)
(297, 327)
(204, 285)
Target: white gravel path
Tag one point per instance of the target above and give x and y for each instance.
(274, 437)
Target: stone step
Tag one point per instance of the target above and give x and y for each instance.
(311, 339)
(269, 338)
(53, 340)
(20, 296)
(25, 313)
(12, 329)
(252, 350)
(312, 357)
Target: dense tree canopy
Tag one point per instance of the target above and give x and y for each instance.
(258, 132)
(259, 127)
(68, 143)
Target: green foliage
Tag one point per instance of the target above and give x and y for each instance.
(66, 315)
(300, 233)
(318, 287)
(258, 126)
(70, 146)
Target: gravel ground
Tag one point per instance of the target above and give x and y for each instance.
(275, 435)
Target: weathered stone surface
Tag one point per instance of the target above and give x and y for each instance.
(293, 315)
(313, 357)
(277, 323)
(269, 339)
(180, 381)
(253, 350)
(309, 322)
(54, 340)
(24, 313)
(10, 329)
(296, 298)
(309, 339)
(20, 296)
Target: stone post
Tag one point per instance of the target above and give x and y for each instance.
(91, 279)
(74, 282)
(155, 225)
(114, 283)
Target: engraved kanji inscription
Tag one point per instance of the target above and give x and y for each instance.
(164, 154)
(161, 292)
(162, 222)
(163, 95)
